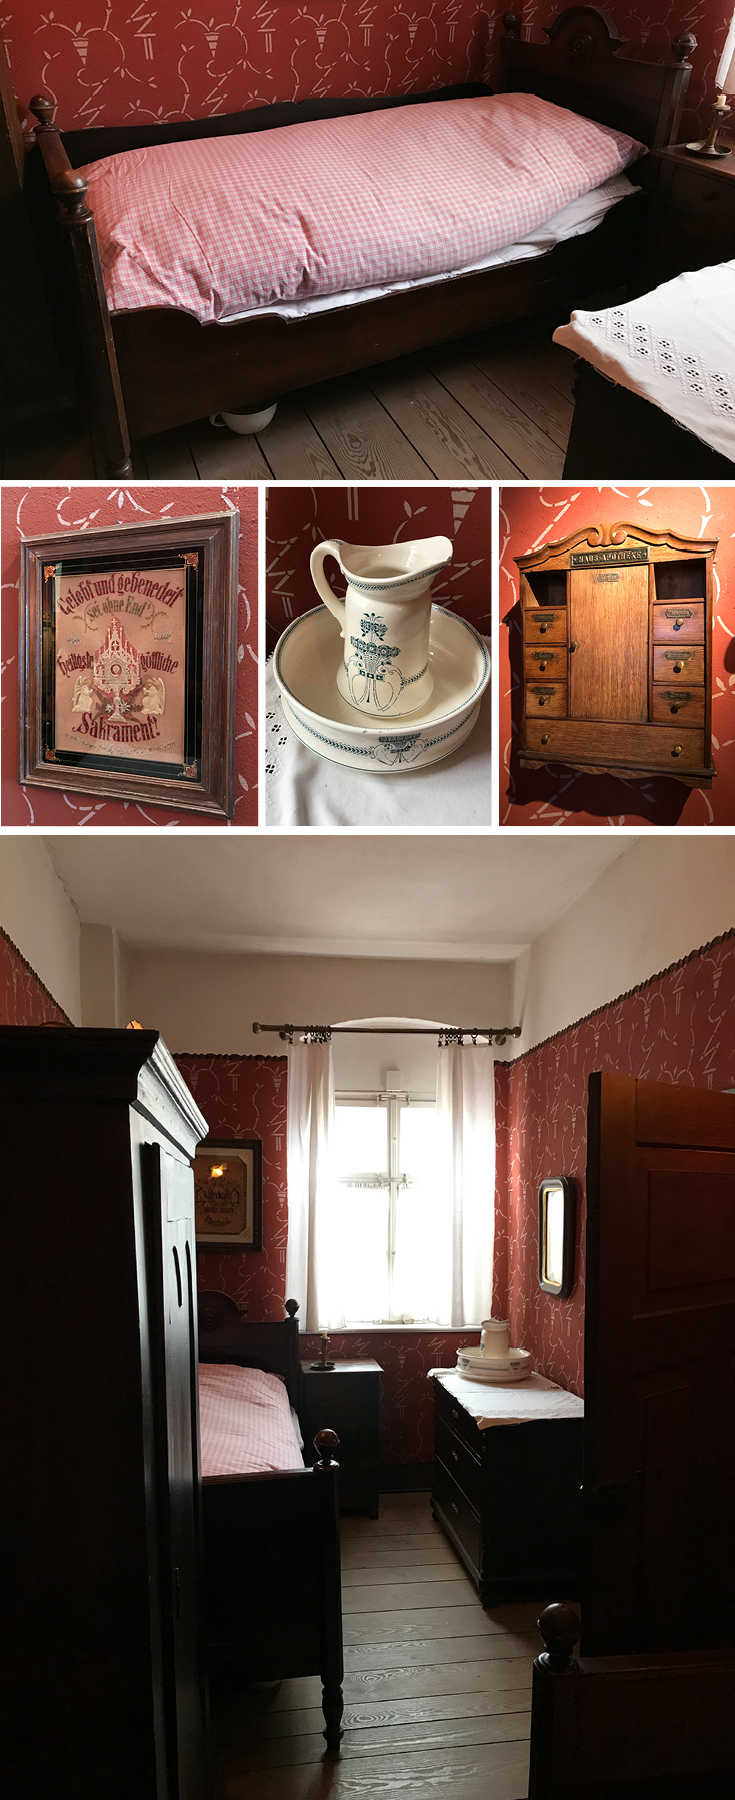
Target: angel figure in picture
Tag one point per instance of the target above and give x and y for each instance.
(83, 699)
(152, 701)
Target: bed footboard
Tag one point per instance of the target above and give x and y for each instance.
(272, 1595)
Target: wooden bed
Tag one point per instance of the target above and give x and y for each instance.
(149, 370)
(272, 1599)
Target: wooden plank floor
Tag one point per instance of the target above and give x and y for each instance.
(498, 405)
(437, 1690)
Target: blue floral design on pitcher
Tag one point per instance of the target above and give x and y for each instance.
(372, 677)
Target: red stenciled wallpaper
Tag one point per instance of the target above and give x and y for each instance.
(27, 511)
(23, 998)
(678, 1028)
(298, 518)
(245, 1096)
(109, 62)
(532, 516)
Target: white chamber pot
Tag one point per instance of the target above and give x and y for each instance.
(245, 423)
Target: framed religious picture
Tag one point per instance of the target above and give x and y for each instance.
(127, 662)
(228, 1194)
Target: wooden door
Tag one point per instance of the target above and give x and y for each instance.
(172, 1196)
(608, 661)
(659, 1482)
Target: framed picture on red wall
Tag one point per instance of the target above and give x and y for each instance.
(127, 662)
(228, 1194)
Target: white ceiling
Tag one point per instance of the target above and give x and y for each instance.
(451, 898)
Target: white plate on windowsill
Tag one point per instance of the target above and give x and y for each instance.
(305, 664)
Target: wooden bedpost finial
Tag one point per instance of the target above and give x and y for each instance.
(559, 1627)
(292, 1307)
(683, 45)
(512, 22)
(43, 110)
(324, 1443)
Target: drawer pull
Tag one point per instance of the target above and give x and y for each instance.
(454, 1506)
(455, 1414)
(545, 738)
(678, 658)
(677, 750)
(455, 1457)
(678, 614)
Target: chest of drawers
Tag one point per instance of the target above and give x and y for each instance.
(617, 658)
(508, 1497)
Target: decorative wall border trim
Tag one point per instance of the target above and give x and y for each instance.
(31, 971)
(229, 1056)
(609, 1005)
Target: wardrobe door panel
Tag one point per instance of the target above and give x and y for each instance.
(608, 667)
(172, 1200)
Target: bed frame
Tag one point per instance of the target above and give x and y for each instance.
(272, 1595)
(617, 435)
(150, 370)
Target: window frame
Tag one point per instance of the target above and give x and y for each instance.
(392, 1100)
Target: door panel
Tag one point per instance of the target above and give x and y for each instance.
(172, 1200)
(609, 627)
(659, 1368)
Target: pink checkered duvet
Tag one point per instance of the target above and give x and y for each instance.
(246, 1425)
(218, 226)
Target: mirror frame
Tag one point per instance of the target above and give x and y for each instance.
(561, 1290)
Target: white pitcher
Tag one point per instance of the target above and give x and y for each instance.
(384, 618)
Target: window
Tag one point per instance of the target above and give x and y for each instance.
(393, 1255)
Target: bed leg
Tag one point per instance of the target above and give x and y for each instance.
(332, 1708)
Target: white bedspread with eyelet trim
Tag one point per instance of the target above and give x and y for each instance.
(674, 347)
(534, 1398)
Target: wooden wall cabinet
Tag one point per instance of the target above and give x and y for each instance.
(101, 1492)
(617, 654)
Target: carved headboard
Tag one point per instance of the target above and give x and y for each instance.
(273, 1345)
(580, 68)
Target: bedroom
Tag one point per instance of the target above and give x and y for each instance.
(398, 334)
(576, 942)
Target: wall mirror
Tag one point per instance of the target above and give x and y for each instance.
(556, 1221)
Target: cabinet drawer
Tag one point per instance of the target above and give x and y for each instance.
(685, 703)
(669, 749)
(685, 665)
(551, 701)
(549, 660)
(456, 1508)
(682, 624)
(449, 1412)
(546, 627)
(459, 1461)
(704, 212)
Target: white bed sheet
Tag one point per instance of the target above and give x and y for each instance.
(573, 221)
(674, 347)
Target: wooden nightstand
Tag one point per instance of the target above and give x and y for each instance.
(347, 1400)
(692, 217)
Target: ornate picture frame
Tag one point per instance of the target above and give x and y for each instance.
(127, 662)
(228, 1194)
(557, 1205)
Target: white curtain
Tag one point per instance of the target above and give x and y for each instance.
(465, 1105)
(312, 1273)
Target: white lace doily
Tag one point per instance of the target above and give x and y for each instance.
(304, 789)
(675, 347)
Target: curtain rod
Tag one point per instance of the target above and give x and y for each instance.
(448, 1034)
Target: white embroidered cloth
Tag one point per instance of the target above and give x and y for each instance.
(304, 789)
(675, 347)
(534, 1398)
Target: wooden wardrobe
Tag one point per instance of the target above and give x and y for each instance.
(103, 1679)
(617, 654)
